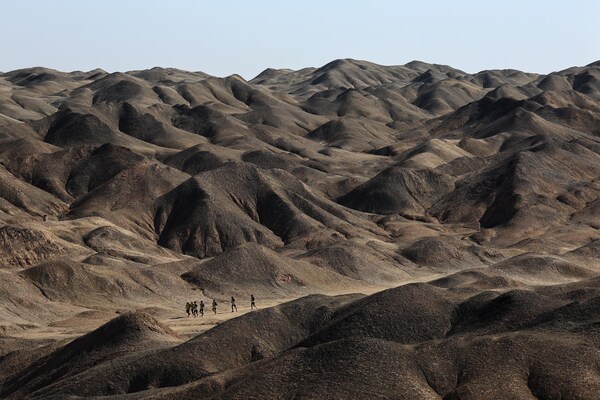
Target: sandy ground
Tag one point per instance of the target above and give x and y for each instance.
(175, 319)
(191, 326)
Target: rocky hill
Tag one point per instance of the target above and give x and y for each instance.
(145, 189)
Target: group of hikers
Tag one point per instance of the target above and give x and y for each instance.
(192, 308)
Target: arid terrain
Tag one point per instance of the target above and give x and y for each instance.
(409, 232)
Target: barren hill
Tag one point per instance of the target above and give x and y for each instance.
(469, 202)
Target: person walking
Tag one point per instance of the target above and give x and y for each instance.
(214, 306)
(188, 307)
(233, 306)
(201, 309)
(252, 302)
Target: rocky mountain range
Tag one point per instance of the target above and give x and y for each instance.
(421, 233)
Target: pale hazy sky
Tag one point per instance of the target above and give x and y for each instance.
(245, 37)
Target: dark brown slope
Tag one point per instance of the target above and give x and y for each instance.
(74, 128)
(24, 306)
(353, 134)
(358, 362)
(99, 287)
(220, 208)
(229, 345)
(399, 190)
(23, 247)
(208, 122)
(147, 127)
(17, 195)
(264, 273)
(238, 202)
(408, 314)
(521, 338)
(413, 341)
(125, 334)
(503, 194)
(71, 173)
(128, 198)
(515, 137)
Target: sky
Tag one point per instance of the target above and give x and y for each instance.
(245, 37)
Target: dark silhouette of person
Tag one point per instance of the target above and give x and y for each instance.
(252, 302)
(233, 304)
(188, 308)
(214, 306)
(201, 310)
